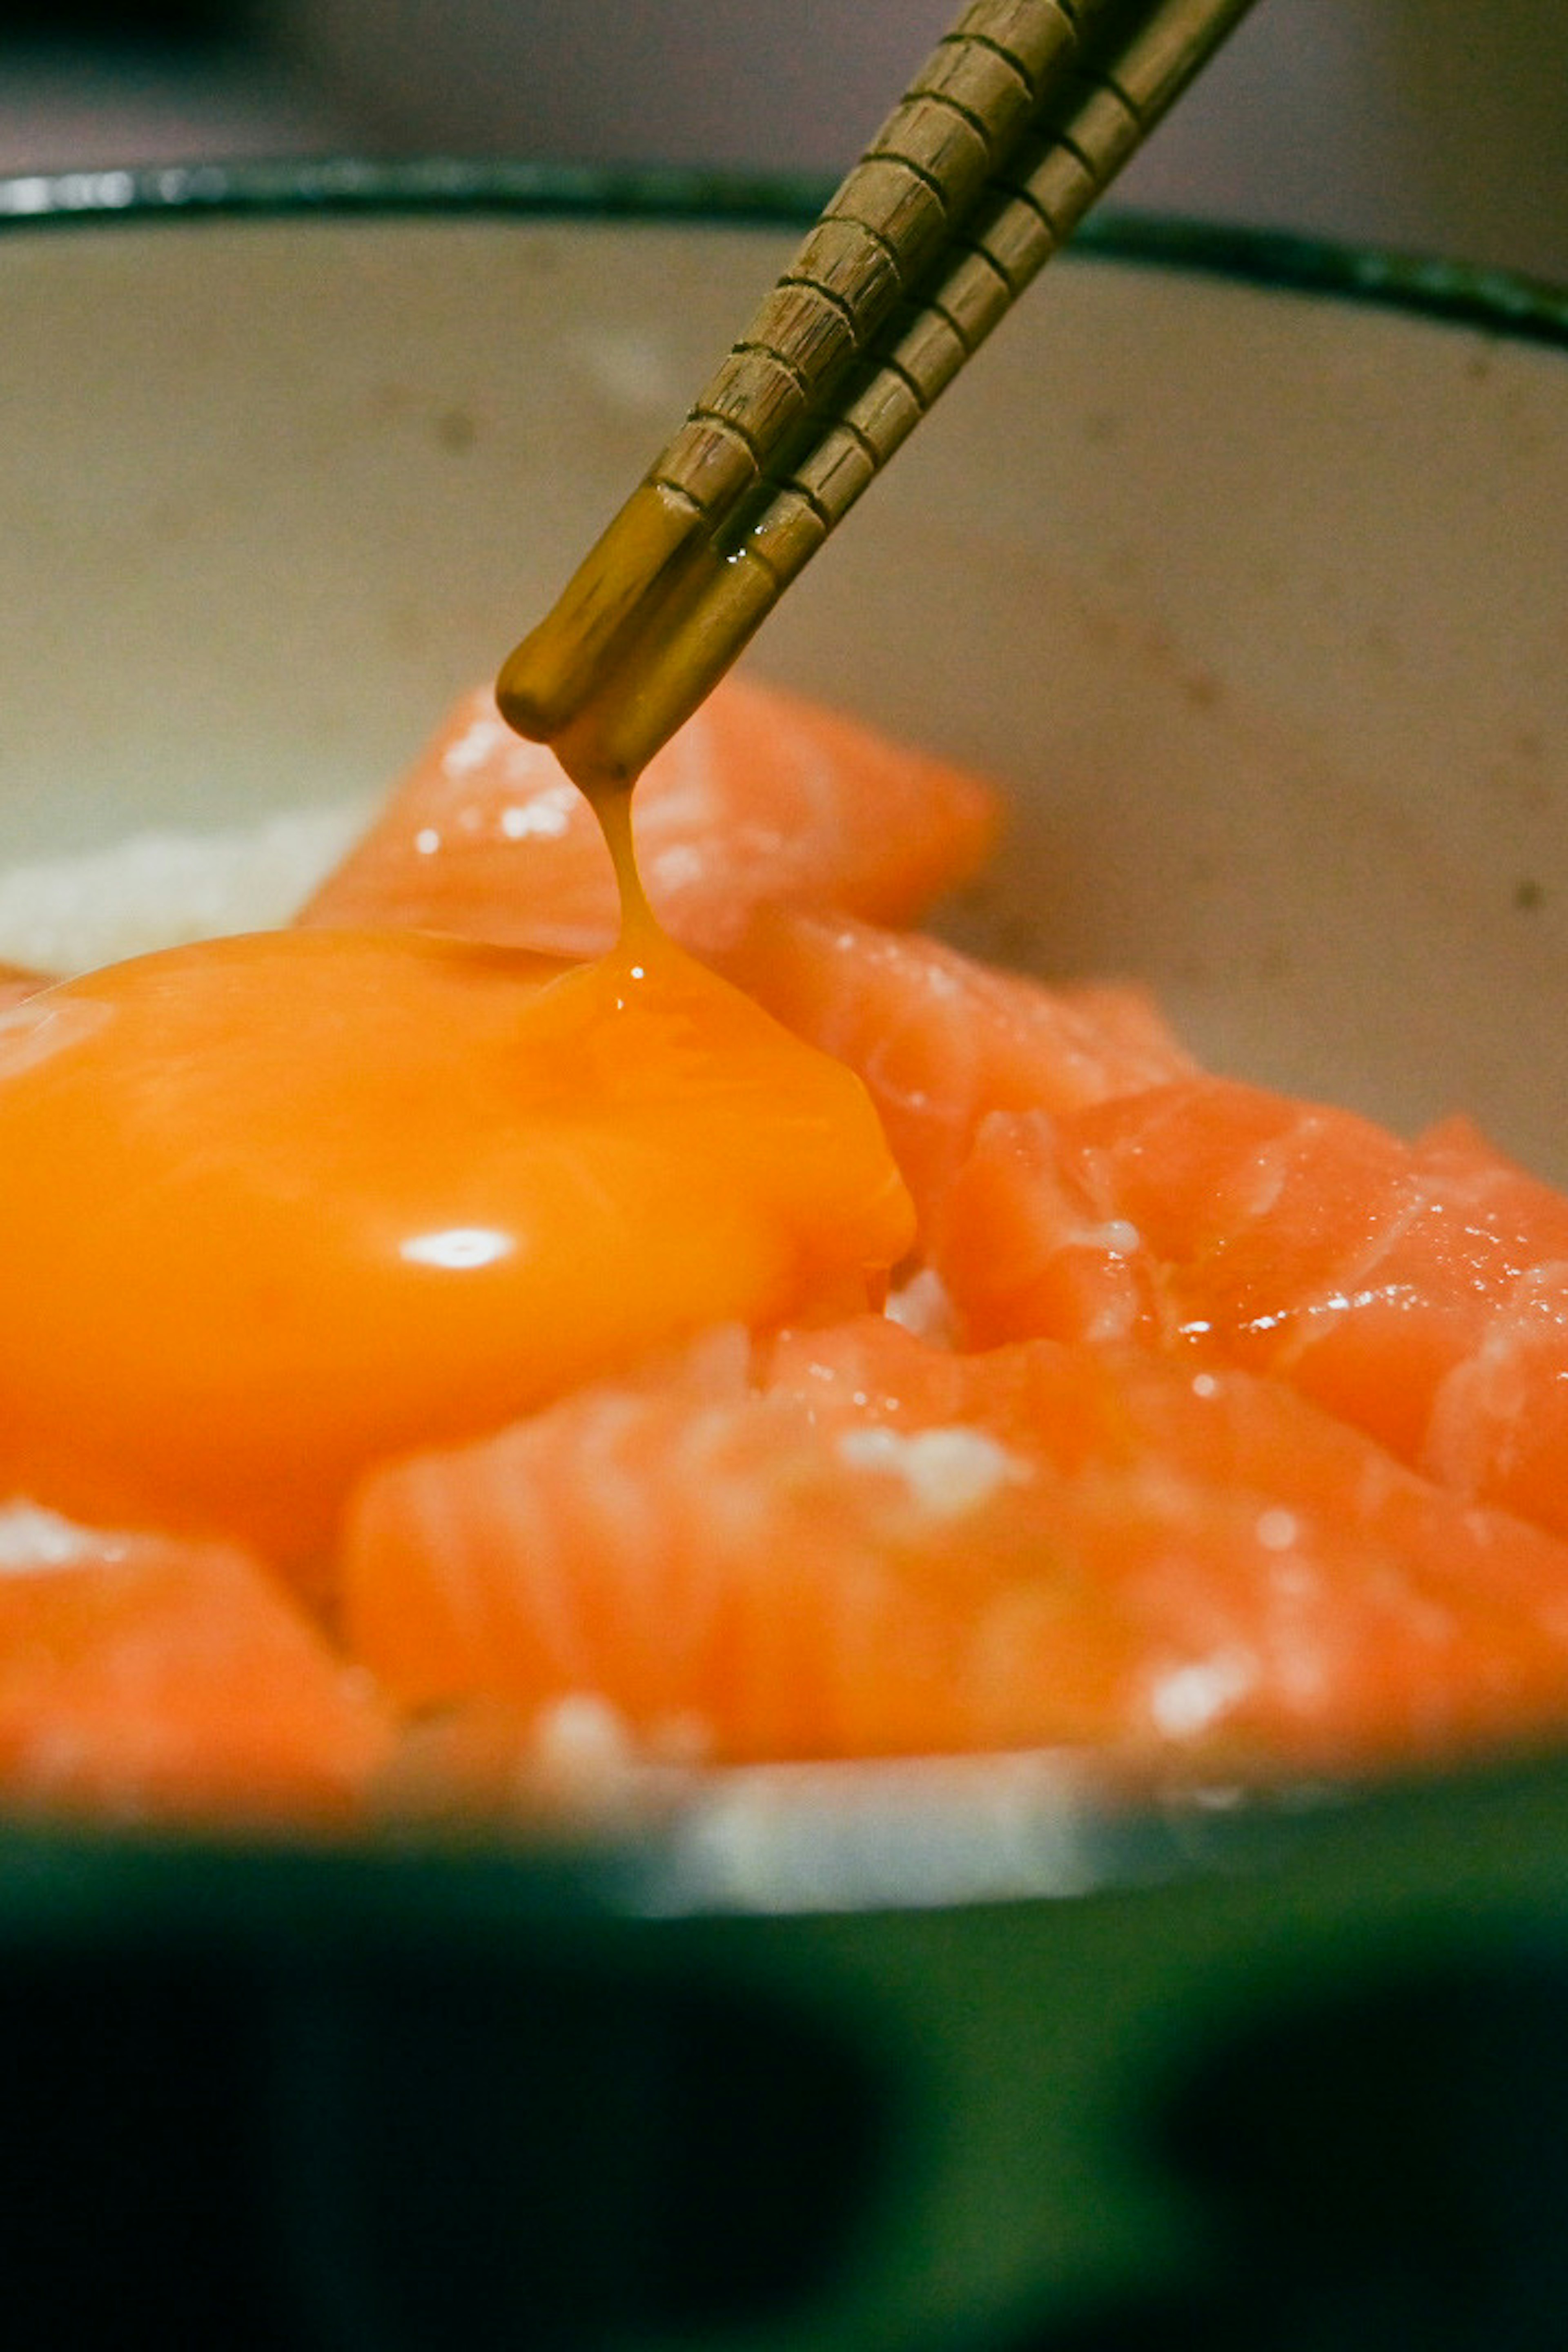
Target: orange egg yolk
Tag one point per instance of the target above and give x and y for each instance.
(277, 1206)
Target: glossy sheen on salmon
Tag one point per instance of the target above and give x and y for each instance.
(761, 798)
(1418, 1290)
(940, 1040)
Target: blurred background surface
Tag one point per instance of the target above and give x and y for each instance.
(1430, 124)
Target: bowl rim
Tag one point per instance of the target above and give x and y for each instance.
(749, 1842)
(1504, 302)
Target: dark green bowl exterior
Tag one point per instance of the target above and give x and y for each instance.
(1290, 2074)
(1498, 300)
(1294, 2077)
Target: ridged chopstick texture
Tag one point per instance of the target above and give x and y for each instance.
(1013, 127)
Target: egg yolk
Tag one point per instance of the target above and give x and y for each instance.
(275, 1206)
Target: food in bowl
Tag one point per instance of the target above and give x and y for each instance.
(428, 1345)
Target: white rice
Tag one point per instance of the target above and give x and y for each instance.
(948, 1472)
(63, 915)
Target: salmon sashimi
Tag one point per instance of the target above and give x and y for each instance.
(1418, 1290)
(893, 1550)
(1025, 1249)
(1207, 1432)
(149, 1679)
(761, 797)
(1499, 1421)
(940, 1040)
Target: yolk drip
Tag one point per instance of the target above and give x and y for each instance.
(277, 1206)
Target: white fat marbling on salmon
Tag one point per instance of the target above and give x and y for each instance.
(1482, 1412)
(486, 738)
(32, 1539)
(1188, 1699)
(544, 818)
(948, 1472)
(582, 1736)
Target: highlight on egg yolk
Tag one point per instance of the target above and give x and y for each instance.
(278, 1205)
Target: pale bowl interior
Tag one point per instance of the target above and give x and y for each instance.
(1258, 601)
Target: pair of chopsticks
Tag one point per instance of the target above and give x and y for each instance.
(1017, 122)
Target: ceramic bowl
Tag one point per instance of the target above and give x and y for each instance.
(1245, 565)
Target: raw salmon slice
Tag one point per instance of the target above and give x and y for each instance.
(761, 797)
(1357, 1610)
(148, 1679)
(1499, 1421)
(893, 1550)
(1026, 1248)
(940, 1039)
(1418, 1290)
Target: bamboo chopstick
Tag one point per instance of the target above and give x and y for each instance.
(1015, 126)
